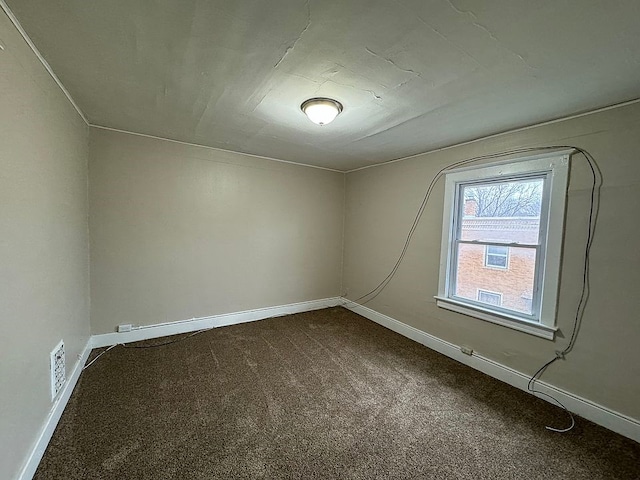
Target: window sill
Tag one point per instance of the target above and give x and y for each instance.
(515, 323)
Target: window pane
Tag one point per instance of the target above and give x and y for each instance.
(502, 211)
(496, 256)
(497, 250)
(514, 283)
(489, 297)
(496, 261)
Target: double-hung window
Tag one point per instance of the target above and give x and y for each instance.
(502, 241)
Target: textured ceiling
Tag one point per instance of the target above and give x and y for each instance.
(413, 75)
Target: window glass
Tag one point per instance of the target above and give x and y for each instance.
(507, 212)
(490, 298)
(515, 284)
(496, 256)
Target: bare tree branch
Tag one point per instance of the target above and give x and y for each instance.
(521, 198)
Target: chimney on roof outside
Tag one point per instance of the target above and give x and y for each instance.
(470, 207)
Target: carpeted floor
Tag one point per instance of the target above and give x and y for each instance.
(320, 395)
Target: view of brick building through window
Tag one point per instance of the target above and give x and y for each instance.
(493, 274)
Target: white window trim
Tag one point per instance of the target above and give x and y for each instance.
(556, 166)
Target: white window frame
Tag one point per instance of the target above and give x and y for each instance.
(554, 167)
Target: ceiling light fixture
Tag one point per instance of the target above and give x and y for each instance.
(321, 110)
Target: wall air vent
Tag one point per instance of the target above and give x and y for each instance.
(58, 369)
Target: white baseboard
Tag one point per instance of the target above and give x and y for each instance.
(617, 422)
(53, 418)
(214, 321)
(144, 333)
(610, 419)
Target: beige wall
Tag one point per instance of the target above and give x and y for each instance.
(605, 365)
(180, 231)
(44, 274)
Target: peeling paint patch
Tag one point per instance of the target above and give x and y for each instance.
(305, 78)
(388, 60)
(330, 75)
(402, 84)
(448, 40)
(359, 74)
(492, 36)
(405, 70)
(293, 45)
(375, 95)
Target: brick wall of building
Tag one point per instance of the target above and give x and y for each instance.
(515, 282)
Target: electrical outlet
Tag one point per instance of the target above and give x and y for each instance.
(125, 327)
(466, 350)
(58, 369)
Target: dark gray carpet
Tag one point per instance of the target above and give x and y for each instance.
(319, 395)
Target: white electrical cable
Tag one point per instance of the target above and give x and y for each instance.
(584, 297)
(99, 355)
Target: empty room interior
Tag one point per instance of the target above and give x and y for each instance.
(304, 239)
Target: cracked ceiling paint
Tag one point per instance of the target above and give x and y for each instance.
(412, 75)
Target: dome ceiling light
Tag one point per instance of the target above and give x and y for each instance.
(321, 110)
